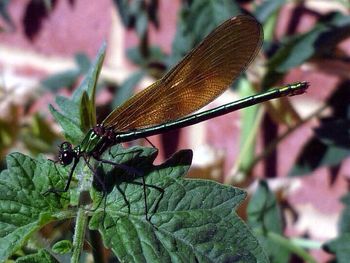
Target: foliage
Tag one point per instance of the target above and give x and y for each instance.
(184, 220)
(189, 220)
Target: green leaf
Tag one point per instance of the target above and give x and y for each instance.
(197, 20)
(83, 62)
(316, 154)
(320, 39)
(122, 7)
(86, 113)
(335, 132)
(62, 247)
(24, 209)
(264, 216)
(78, 114)
(38, 136)
(72, 131)
(190, 220)
(41, 257)
(67, 78)
(67, 105)
(248, 129)
(340, 247)
(126, 89)
(267, 9)
(62, 79)
(90, 82)
(344, 222)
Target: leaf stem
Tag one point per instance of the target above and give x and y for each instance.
(79, 234)
(291, 246)
(276, 142)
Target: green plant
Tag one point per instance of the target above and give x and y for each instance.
(121, 221)
(188, 219)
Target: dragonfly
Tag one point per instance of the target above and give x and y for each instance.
(200, 77)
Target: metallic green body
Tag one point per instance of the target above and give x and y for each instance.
(90, 143)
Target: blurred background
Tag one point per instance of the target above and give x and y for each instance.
(299, 145)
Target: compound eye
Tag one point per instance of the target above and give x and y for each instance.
(66, 157)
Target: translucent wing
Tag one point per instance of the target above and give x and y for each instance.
(205, 73)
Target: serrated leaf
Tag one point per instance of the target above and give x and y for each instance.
(40, 257)
(190, 220)
(264, 216)
(71, 130)
(24, 208)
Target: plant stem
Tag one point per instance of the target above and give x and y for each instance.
(79, 234)
(275, 142)
(291, 246)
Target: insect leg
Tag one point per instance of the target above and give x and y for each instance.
(70, 176)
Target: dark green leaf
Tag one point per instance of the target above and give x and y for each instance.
(122, 7)
(344, 222)
(78, 114)
(264, 216)
(320, 39)
(41, 257)
(268, 8)
(126, 89)
(335, 132)
(340, 247)
(295, 51)
(72, 131)
(62, 247)
(67, 105)
(190, 220)
(316, 154)
(38, 136)
(24, 209)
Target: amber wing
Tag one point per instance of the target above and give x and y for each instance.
(204, 74)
